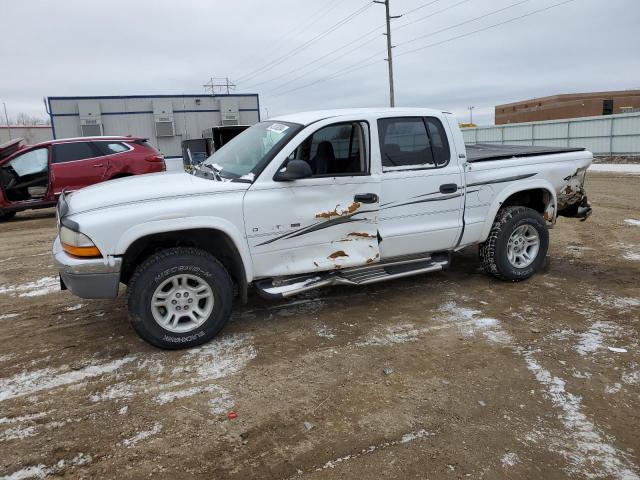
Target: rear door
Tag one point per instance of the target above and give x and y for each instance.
(325, 222)
(76, 165)
(422, 186)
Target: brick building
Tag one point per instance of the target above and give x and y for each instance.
(571, 105)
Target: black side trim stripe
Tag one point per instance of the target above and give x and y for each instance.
(503, 180)
(319, 226)
(425, 200)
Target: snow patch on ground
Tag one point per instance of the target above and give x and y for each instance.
(611, 389)
(75, 307)
(17, 433)
(587, 451)
(397, 334)
(509, 459)
(594, 338)
(324, 331)
(27, 383)
(222, 404)
(168, 397)
(43, 286)
(138, 437)
(406, 438)
(471, 325)
(42, 471)
(114, 392)
(221, 357)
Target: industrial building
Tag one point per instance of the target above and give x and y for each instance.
(166, 120)
(574, 105)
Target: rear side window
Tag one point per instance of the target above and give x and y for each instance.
(413, 141)
(70, 152)
(109, 148)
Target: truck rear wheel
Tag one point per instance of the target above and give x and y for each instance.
(517, 244)
(179, 298)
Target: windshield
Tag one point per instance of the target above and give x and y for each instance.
(247, 153)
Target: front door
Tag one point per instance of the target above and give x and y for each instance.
(325, 222)
(422, 188)
(76, 165)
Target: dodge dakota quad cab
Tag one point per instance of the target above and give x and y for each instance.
(346, 197)
(32, 176)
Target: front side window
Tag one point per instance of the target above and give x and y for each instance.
(413, 142)
(70, 152)
(249, 152)
(335, 150)
(35, 161)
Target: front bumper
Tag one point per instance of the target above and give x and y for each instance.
(87, 278)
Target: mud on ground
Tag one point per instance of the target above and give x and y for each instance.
(449, 375)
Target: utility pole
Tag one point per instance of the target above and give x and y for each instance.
(6, 117)
(392, 101)
(471, 114)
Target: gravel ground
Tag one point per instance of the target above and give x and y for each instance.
(448, 375)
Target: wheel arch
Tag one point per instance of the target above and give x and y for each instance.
(537, 194)
(222, 241)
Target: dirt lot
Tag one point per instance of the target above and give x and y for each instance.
(449, 375)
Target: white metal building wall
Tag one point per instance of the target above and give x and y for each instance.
(31, 134)
(603, 135)
(133, 115)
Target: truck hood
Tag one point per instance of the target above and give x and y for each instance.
(142, 188)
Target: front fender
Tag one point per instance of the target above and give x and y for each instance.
(550, 212)
(171, 224)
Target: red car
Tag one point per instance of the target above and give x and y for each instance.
(33, 176)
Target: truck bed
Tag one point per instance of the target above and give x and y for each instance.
(483, 152)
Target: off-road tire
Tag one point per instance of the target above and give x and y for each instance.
(493, 252)
(161, 266)
(4, 216)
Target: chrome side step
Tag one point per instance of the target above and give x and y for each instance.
(379, 272)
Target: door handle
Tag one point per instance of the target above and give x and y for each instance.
(365, 198)
(448, 188)
(98, 165)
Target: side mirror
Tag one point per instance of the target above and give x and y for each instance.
(295, 170)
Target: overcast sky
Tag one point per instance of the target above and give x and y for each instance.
(131, 47)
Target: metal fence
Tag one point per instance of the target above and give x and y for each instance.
(603, 135)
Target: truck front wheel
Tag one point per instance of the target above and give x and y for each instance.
(179, 298)
(517, 244)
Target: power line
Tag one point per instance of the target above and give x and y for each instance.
(485, 28)
(465, 22)
(315, 17)
(349, 69)
(361, 65)
(433, 14)
(297, 70)
(420, 7)
(298, 49)
(334, 59)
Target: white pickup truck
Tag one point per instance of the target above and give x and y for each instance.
(342, 197)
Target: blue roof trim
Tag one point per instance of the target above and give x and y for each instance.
(150, 112)
(190, 95)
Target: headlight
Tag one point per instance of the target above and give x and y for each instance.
(77, 244)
